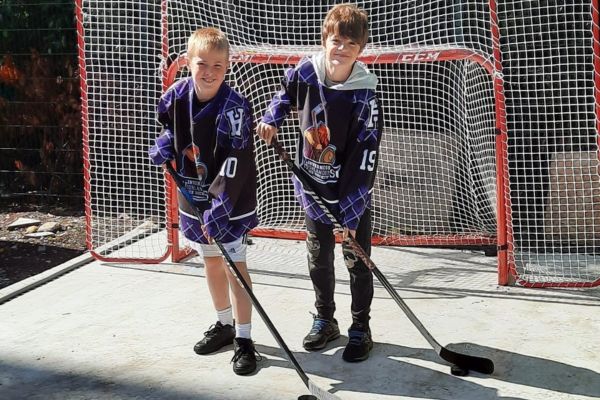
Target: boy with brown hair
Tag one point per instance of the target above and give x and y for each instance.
(341, 125)
(207, 130)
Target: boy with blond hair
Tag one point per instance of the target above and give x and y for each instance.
(341, 125)
(207, 131)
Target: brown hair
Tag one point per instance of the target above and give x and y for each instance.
(207, 39)
(346, 20)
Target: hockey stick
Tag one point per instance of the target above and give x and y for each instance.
(464, 361)
(314, 389)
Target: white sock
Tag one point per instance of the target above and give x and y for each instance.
(243, 330)
(225, 316)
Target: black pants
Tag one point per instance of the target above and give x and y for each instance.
(320, 244)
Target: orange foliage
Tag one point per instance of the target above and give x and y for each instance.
(9, 74)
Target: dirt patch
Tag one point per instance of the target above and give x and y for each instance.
(22, 256)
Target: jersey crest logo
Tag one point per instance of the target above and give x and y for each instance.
(192, 159)
(319, 153)
(317, 138)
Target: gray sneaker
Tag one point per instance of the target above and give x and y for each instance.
(322, 331)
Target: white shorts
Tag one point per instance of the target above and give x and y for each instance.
(235, 249)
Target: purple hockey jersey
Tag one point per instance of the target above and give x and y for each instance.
(213, 149)
(340, 132)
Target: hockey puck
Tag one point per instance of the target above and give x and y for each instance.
(458, 371)
(307, 397)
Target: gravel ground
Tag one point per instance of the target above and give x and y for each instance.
(22, 257)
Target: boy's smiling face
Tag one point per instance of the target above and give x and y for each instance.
(208, 68)
(340, 53)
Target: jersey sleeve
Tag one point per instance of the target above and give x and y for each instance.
(163, 149)
(358, 172)
(283, 101)
(234, 188)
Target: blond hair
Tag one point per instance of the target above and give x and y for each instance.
(346, 20)
(207, 39)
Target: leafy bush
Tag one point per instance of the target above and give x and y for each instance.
(39, 100)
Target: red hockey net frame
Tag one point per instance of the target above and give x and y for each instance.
(419, 56)
(559, 246)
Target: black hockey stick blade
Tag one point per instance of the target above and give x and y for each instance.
(465, 361)
(468, 362)
(310, 385)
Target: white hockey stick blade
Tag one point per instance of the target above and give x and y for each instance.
(320, 393)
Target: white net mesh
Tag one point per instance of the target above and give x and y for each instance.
(274, 26)
(437, 169)
(436, 182)
(121, 52)
(548, 65)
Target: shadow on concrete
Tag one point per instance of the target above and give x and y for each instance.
(475, 265)
(402, 281)
(452, 280)
(387, 372)
(19, 382)
(537, 372)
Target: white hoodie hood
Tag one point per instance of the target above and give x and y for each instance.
(360, 77)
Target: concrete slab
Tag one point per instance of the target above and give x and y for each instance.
(126, 331)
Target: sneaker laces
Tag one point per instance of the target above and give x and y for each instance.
(243, 349)
(318, 325)
(212, 330)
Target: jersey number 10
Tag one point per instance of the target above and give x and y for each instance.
(229, 167)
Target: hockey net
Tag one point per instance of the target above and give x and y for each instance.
(551, 71)
(446, 171)
(437, 176)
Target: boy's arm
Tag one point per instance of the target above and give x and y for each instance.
(236, 181)
(282, 101)
(358, 172)
(163, 149)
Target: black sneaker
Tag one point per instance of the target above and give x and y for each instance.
(322, 331)
(217, 336)
(359, 343)
(244, 356)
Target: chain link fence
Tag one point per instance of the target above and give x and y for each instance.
(40, 107)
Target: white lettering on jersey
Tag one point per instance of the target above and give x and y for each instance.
(229, 167)
(374, 115)
(368, 160)
(236, 118)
